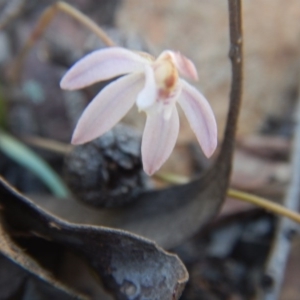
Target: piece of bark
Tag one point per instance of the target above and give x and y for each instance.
(129, 266)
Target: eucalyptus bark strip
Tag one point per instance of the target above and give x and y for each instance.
(275, 268)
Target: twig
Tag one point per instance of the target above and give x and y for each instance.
(44, 22)
(274, 271)
(86, 21)
(266, 204)
(171, 178)
(48, 144)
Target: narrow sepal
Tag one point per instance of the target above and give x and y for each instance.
(200, 117)
(159, 138)
(102, 65)
(108, 108)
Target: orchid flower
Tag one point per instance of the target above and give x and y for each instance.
(154, 85)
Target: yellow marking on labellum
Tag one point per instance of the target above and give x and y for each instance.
(166, 75)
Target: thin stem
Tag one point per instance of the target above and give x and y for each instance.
(44, 22)
(86, 21)
(242, 196)
(48, 144)
(171, 178)
(264, 203)
(236, 57)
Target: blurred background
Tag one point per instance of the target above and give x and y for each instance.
(34, 107)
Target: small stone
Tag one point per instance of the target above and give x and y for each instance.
(107, 172)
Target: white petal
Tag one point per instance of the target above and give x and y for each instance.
(184, 65)
(102, 65)
(148, 95)
(159, 139)
(200, 117)
(108, 108)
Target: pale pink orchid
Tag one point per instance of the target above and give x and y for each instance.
(154, 85)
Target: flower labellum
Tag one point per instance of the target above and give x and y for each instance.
(155, 86)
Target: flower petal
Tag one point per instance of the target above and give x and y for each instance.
(184, 65)
(108, 108)
(159, 139)
(102, 65)
(200, 117)
(148, 95)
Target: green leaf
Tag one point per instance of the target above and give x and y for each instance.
(30, 160)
